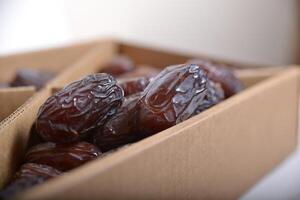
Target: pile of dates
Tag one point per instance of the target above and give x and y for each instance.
(118, 106)
(29, 77)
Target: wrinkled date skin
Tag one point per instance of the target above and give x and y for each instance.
(31, 77)
(121, 128)
(176, 94)
(221, 74)
(118, 66)
(215, 94)
(133, 85)
(71, 113)
(29, 175)
(142, 71)
(62, 156)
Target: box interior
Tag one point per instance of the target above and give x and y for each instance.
(11, 99)
(14, 131)
(53, 60)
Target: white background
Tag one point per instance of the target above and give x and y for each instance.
(256, 31)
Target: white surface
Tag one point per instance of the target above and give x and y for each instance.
(282, 183)
(32, 24)
(258, 31)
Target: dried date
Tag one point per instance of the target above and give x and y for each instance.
(121, 128)
(19, 185)
(29, 175)
(72, 112)
(29, 170)
(133, 85)
(62, 156)
(219, 73)
(118, 66)
(176, 94)
(142, 71)
(31, 77)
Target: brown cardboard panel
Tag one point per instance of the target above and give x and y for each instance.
(217, 154)
(14, 134)
(14, 130)
(12, 98)
(90, 63)
(53, 59)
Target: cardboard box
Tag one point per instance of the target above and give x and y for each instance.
(60, 58)
(12, 98)
(218, 154)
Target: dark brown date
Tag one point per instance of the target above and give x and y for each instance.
(133, 85)
(219, 73)
(214, 95)
(72, 112)
(142, 71)
(118, 66)
(62, 156)
(31, 77)
(176, 94)
(29, 170)
(29, 175)
(19, 185)
(121, 128)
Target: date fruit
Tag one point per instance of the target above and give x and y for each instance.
(118, 66)
(176, 94)
(221, 74)
(142, 71)
(29, 170)
(215, 94)
(72, 112)
(121, 128)
(29, 175)
(19, 185)
(133, 85)
(31, 77)
(62, 156)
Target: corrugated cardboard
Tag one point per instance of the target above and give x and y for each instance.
(12, 98)
(219, 153)
(54, 60)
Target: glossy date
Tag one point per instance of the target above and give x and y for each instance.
(28, 170)
(142, 71)
(121, 128)
(176, 94)
(29, 175)
(133, 85)
(68, 115)
(220, 73)
(62, 156)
